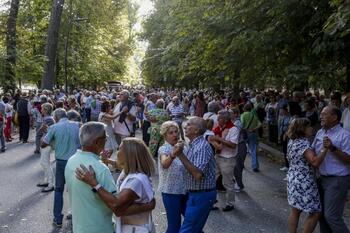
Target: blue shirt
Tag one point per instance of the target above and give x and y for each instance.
(201, 155)
(331, 165)
(90, 213)
(88, 102)
(65, 136)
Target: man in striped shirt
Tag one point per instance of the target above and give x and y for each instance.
(177, 113)
(200, 177)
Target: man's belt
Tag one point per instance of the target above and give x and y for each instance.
(201, 190)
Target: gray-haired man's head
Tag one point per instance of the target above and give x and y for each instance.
(90, 132)
(59, 113)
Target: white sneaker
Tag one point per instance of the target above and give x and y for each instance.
(236, 188)
(284, 169)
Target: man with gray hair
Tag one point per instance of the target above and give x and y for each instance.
(213, 109)
(225, 142)
(200, 177)
(177, 113)
(65, 137)
(123, 124)
(90, 214)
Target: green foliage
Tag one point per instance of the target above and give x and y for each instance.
(247, 43)
(100, 41)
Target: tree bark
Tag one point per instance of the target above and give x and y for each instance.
(11, 52)
(347, 60)
(51, 44)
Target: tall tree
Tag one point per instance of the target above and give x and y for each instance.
(51, 45)
(9, 81)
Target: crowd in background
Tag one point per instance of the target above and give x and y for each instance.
(200, 139)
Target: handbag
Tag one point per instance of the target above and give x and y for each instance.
(132, 133)
(15, 119)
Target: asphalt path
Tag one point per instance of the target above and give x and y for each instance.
(261, 207)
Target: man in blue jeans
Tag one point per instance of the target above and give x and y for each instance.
(200, 177)
(65, 137)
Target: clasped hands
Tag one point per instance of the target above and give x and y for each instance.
(327, 143)
(178, 149)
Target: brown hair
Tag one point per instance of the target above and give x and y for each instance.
(138, 158)
(210, 123)
(297, 128)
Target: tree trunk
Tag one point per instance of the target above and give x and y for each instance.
(9, 82)
(347, 59)
(51, 44)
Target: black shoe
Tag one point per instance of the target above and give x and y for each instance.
(3, 149)
(37, 152)
(57, 224)
(228, 208)
(256, 170)
(214, 208)
(42, 185)
(69, 216)
(47, 189)
(25, 141)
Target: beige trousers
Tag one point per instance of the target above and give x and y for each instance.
(225, 167)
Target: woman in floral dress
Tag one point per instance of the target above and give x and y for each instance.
(302, 189)
(157, 117)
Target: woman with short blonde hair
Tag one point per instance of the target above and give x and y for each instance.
(171, 176)
(166, 126)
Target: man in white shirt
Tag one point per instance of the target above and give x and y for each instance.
(225, 143)
(177, 113)
(123, 124)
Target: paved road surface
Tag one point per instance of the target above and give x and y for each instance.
(262, 207)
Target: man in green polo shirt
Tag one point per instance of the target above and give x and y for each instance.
(90, 214)
(251, 123)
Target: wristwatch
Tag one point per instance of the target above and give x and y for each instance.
(96, 188)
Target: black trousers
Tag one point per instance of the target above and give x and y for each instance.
(24, 125)
(240, 158)
(146, 136)
(88, 114)
(273, 133)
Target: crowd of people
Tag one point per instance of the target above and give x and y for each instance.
(200, 140)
